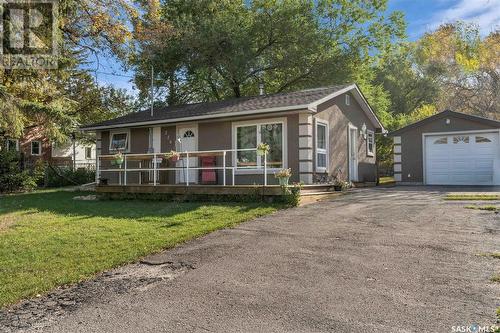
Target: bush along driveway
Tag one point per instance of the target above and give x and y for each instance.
(379, 260)
(47, 239)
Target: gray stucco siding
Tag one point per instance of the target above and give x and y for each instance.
(339, 116)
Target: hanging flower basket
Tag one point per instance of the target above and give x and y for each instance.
(118, 159)
(262, 149)
(172, 156)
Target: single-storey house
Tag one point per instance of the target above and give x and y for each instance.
(317, 133)
(448, 148)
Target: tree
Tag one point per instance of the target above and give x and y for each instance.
(466, 67)
(218, 49)
(408, 88)
(59, 100)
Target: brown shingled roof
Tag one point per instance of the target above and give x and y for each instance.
(235, 105)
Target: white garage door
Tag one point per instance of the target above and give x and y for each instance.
(462, 159)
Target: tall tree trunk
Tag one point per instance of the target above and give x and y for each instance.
(236, 90)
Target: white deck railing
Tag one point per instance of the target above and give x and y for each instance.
(185, 166)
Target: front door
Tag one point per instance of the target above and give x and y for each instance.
(187, 142)
(353, 154)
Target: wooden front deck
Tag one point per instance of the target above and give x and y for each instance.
(271, 190)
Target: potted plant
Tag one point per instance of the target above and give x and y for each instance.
(339, 183)
(118, 159)
(283, 176)
(262, 149)
(173, 156)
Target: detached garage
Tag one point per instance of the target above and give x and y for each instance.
(449, 148)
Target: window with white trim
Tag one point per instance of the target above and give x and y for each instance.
(88, 153)
(119, 141)
(370, 143)
(36, 148)
(347, 99)
(12, 145)
(249, 136)
(321, 146)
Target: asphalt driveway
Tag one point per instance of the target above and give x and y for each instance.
(379, 260)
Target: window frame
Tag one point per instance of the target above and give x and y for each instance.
(368, 152)
(483, 138)
(127, 142)
(257, 123)
(39, 148)
(89, 156)
(7, 144)
(326, 150)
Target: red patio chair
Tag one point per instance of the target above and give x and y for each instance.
(208, 176)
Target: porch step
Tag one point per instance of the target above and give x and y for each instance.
(317, 188)
(365, 184)
(310, 198)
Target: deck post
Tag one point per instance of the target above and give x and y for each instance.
(224, 168)
(140, 173)
(232, 170)
(187, 169)
(97, 170)
(154, 169)
(125, 171)
(265, 168)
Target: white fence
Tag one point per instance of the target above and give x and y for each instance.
(124, 170)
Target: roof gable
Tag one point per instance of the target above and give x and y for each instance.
(445, 113)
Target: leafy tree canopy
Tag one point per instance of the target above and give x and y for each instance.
(209, 50)
(60, 100)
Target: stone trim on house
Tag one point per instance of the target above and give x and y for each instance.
(305, 148)
(397, 159)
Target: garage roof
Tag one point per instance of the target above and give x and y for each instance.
(445, 113)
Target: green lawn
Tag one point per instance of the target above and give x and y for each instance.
(468, 197)
(488, 208)
(48, 239)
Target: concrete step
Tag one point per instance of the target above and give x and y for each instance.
(320, 196)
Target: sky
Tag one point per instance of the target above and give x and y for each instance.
(421, 16)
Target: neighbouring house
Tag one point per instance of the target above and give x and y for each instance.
(34, 146)
(317, 133)
(448, 148)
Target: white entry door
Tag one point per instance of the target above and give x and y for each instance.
(461, 159)
(187, 141)
(353, 154)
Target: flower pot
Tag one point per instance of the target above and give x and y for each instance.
(119, 161)
(174, 158)
(283, 181)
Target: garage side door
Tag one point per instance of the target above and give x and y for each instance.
(461, 159)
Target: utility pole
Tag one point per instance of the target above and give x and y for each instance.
(152, 87)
